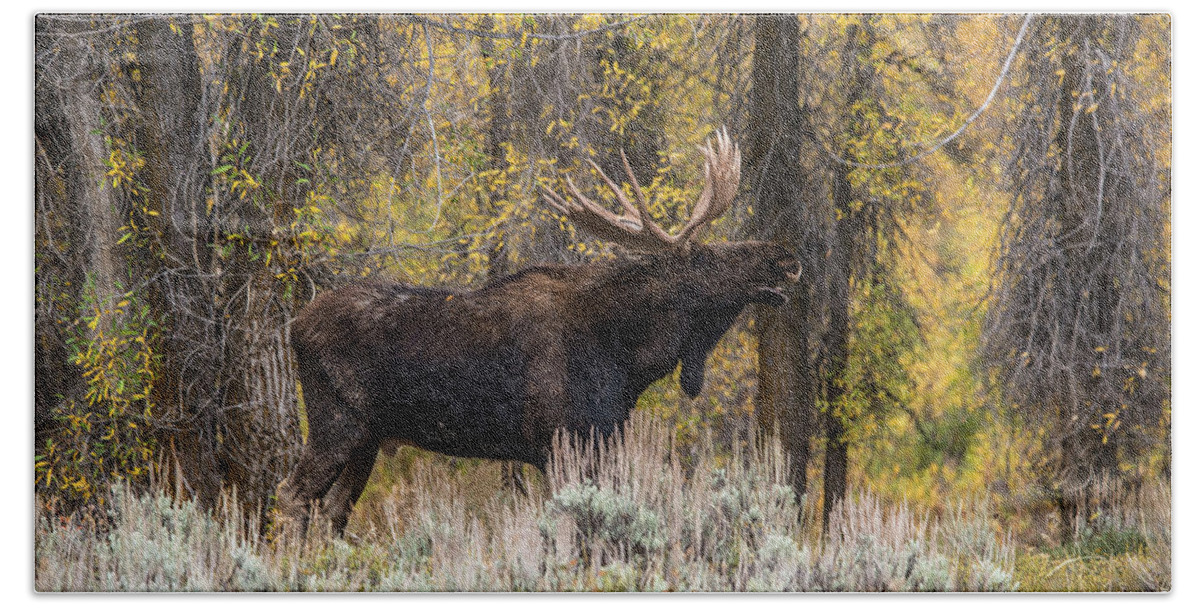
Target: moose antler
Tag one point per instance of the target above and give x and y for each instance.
(634, 228)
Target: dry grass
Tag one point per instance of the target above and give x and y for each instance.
(1122, 543)
(628, 515)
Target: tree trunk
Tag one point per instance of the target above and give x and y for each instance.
(171, 135)
(770, 169)
(80, 211)
(836, 342)
(84, 155)
(847, 230)
(259, 426)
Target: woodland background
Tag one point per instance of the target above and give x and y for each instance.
(981, 203)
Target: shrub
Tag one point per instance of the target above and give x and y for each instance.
(105, 434)
(620, 515)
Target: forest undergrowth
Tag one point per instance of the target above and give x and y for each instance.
(625, 515)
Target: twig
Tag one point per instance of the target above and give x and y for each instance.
(496, 36)
(912, 159)
(437, 156)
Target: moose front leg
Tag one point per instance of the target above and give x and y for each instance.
(545, 404)
(350, 485)
(320, 465)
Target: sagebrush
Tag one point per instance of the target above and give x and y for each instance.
(622, 515)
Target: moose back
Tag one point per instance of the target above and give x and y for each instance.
(495, 372)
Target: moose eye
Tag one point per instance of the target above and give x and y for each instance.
(789, 266)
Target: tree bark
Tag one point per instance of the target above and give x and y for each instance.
(79, 209)
(259, 424)
(770, 170)
(171, 134)
(839, 269)
(847, 231)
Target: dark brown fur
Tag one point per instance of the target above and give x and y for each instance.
(493, 373)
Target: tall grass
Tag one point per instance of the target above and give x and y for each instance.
(624, 515)
(1122, 542)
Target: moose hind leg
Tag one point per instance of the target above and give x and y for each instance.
(513, 477)
(334, 435)
(349, 486)
(310, 480)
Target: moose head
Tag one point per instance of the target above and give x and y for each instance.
(712, 282)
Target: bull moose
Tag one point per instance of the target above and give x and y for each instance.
(495, 372)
